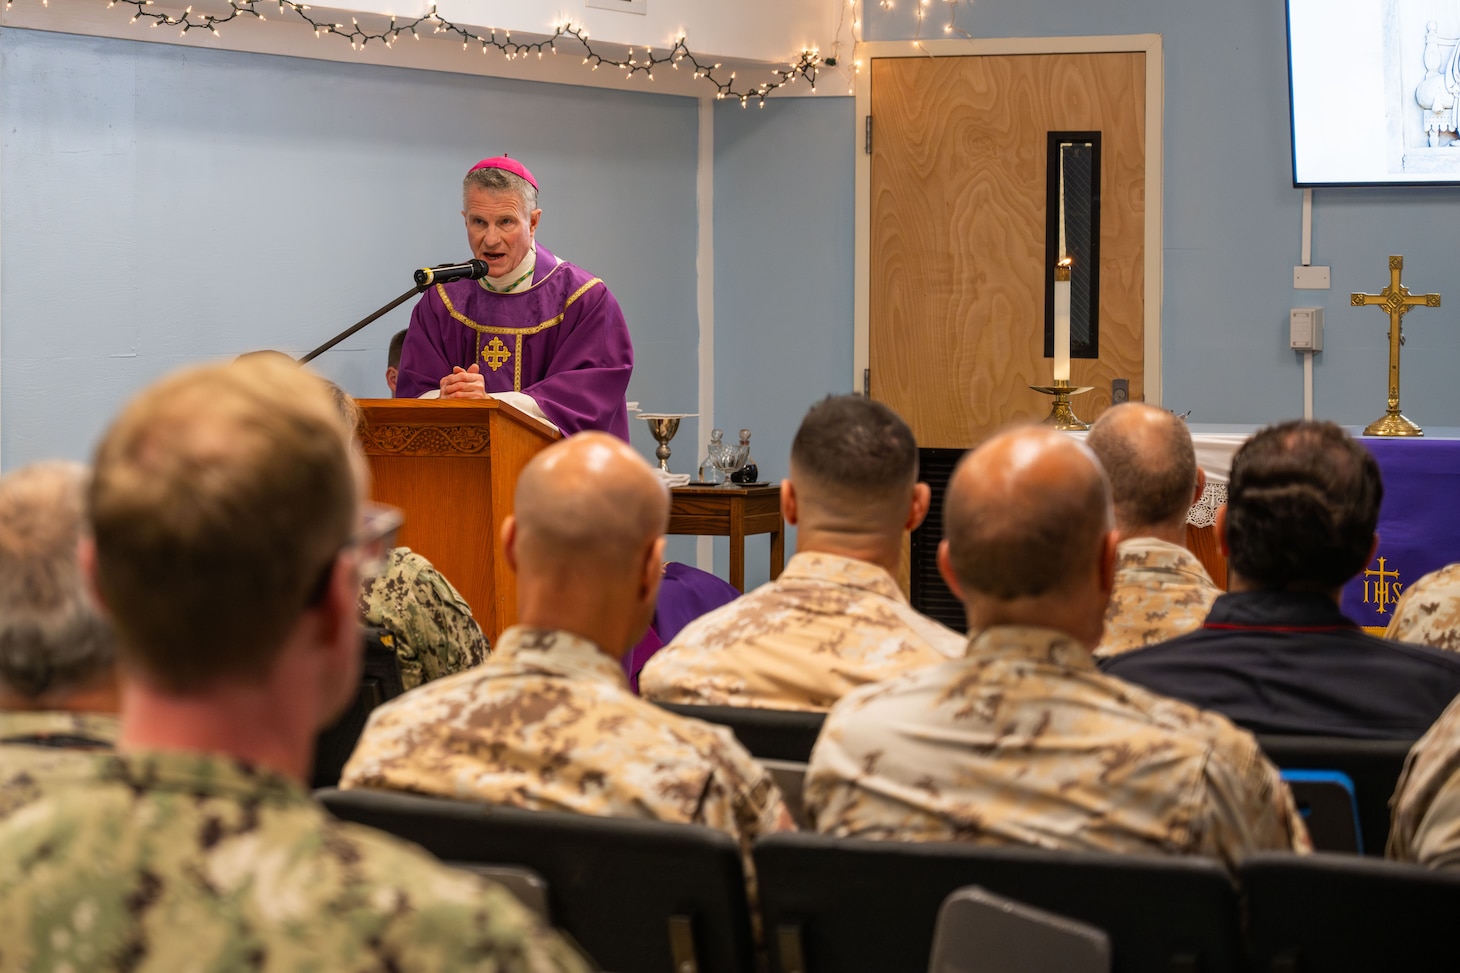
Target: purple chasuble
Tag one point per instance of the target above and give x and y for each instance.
(685, 593)
(562, 341)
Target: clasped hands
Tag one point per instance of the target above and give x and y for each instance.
(464, 383)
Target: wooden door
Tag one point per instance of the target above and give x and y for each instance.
(957, 234)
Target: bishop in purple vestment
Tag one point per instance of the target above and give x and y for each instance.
(536, 332)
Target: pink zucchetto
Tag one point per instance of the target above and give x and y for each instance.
(506, 165)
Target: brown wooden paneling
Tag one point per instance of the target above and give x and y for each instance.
(1202, 541)
(958, 234)
(453, 467)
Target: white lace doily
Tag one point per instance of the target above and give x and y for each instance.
(1203, 513)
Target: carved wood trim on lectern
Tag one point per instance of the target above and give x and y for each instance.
(422, 440)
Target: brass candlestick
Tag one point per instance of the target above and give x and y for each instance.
(1061, 416)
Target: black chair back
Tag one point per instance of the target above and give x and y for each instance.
(1372, 765)
(847, 905)
(776, 734)
(380, 680)
(637, 895)
(1325, 799)
(1339, 913)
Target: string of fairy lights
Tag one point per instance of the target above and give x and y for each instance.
(922, 8)
(640, 60)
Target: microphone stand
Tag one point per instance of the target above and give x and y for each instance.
(362, 323)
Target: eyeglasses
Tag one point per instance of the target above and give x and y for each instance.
(373, 540)
(375, 536)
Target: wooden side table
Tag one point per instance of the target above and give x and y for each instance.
(731, 512)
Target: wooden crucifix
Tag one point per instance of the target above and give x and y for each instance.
(1396, 300)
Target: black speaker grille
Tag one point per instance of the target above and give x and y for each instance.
(927, 591)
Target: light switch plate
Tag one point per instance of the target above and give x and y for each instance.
(1311, 278)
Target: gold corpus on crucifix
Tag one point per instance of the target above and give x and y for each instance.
(1397, 301)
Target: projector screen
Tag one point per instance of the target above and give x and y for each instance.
(1374, 88)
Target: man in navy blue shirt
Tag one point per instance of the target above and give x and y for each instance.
(1276, 655)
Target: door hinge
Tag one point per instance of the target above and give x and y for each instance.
(868, 146)
(867, 382)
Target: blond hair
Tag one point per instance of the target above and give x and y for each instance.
(219, 498)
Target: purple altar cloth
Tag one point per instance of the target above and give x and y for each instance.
(685, 593)
(1419, 523)
(562, 341)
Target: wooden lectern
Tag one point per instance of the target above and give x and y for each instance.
(452, 467)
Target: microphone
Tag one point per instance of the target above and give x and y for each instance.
(444, 274)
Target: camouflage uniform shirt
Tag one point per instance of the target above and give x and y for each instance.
(1161, 591)
(39, 746)
(1429, 611)
(428, 620)
(59, 729)
(1425, 827)
(170, 861)
(548, 723)
(827, 625)
(1024, 742)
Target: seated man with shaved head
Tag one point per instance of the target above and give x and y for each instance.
(1161, 589)
(548, 722)
(1023, 741)
(835, 619)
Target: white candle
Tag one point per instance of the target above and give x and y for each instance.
(1062, 292)
(1062, 326)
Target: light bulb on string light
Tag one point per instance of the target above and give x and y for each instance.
(359, 37)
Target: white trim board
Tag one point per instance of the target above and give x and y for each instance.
(1149, 44)
(705, 300)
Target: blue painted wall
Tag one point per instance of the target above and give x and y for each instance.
(1233, 222)
(784, 191)
(162, 205)
(147, 173)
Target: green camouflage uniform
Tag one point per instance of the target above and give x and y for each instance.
(38, 746)
(171, 861)
(1025, 742)
(429, 622)
(60, 729)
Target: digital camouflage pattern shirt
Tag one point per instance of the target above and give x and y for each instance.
(1428, 612)
(827, 625)
(1425, 824)
(430, 623)
(172, 861)
(39, 746)
(1161, 591)
(60, 729)
(1024, 742)
(548, 723)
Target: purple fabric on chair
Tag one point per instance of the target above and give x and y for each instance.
(685, 593)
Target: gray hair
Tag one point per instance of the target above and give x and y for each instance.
(51, 637)
(500, 181)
